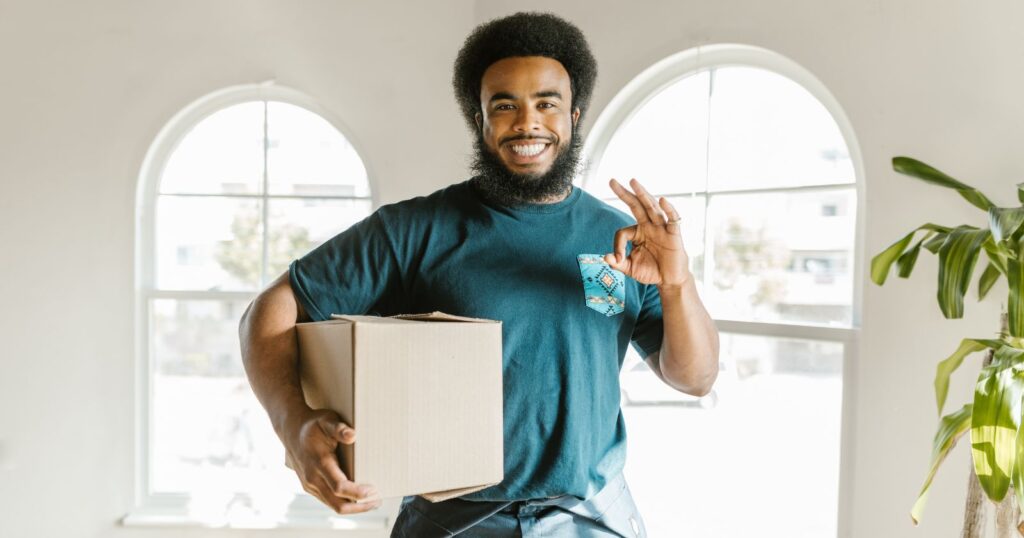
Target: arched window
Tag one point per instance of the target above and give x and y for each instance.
(235, 186)
(762, 165)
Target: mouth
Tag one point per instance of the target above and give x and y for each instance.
(525, 152)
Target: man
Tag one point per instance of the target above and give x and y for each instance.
(517, 243)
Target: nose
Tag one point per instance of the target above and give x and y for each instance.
(527, 119)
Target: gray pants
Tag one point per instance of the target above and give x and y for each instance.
(608, 513)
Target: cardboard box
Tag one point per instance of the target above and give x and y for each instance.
(423, 392)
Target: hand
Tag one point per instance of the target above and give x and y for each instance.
(311, 449)
(658, 256)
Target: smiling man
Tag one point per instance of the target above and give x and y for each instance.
(517, 243)
(525, 123)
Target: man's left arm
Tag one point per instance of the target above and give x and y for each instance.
(688, 358)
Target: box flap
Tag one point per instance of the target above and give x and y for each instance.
(438, 496)
(441, 316)
(352, 318)
(431, 316)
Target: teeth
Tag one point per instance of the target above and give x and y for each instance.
(528, 150)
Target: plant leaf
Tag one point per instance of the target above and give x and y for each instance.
(987, 280)
(1015, 303)
(883, 261)
(997, 253)
(1020, 192)
(934, 244)
(905, 263)
(915, 168)
(957, 258)
(949, 365)
(951, 427)
(1005, 221)
(994, 421)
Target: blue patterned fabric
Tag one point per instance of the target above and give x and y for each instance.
(604, 288)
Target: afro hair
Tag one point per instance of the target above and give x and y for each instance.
(523, 34)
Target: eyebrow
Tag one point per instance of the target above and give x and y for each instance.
(541, 94)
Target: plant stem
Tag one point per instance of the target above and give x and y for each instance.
(974, 511)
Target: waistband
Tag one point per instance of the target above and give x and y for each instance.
(458, 514)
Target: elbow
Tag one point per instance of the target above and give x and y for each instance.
(703, 387)
(702, 390)
(699, 385)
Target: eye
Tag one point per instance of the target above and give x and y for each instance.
(504, 106)
(546, 105)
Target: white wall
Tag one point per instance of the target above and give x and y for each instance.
(86, 86)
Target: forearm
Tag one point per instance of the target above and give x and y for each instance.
(270, 355)
(688, 359)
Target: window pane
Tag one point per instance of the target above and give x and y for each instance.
(663, 145)
(298, 226)
(768, 131)
(209, 432)
(782, 256)
(208, 243)
(223, 154)
(769, 442)
(308, 156)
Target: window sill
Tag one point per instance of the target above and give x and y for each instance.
(316, 518)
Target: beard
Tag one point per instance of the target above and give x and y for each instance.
(496, 183)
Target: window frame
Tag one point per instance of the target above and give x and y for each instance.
(173, 509)
(648, 83)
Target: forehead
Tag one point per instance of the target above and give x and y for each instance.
(524, 75)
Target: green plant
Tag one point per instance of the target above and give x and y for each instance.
(994, 417)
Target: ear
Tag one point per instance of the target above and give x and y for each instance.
(575, 116)
(478, 119)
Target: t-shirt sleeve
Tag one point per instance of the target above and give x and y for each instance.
(648, 332)
(354, 272)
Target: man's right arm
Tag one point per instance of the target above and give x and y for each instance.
(310, 437)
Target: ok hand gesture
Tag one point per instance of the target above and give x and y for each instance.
(658, 256)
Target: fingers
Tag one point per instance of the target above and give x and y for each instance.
(671, 213)
(637, 208)
(358, 508)
(337, 430)
(316, 464)
(318, 487)
(339, 484)
(622, 236)
(654, 213)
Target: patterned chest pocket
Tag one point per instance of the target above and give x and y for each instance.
(604, 288)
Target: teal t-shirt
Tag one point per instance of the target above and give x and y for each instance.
(563, 336)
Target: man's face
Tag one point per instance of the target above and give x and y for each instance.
(527, 119)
